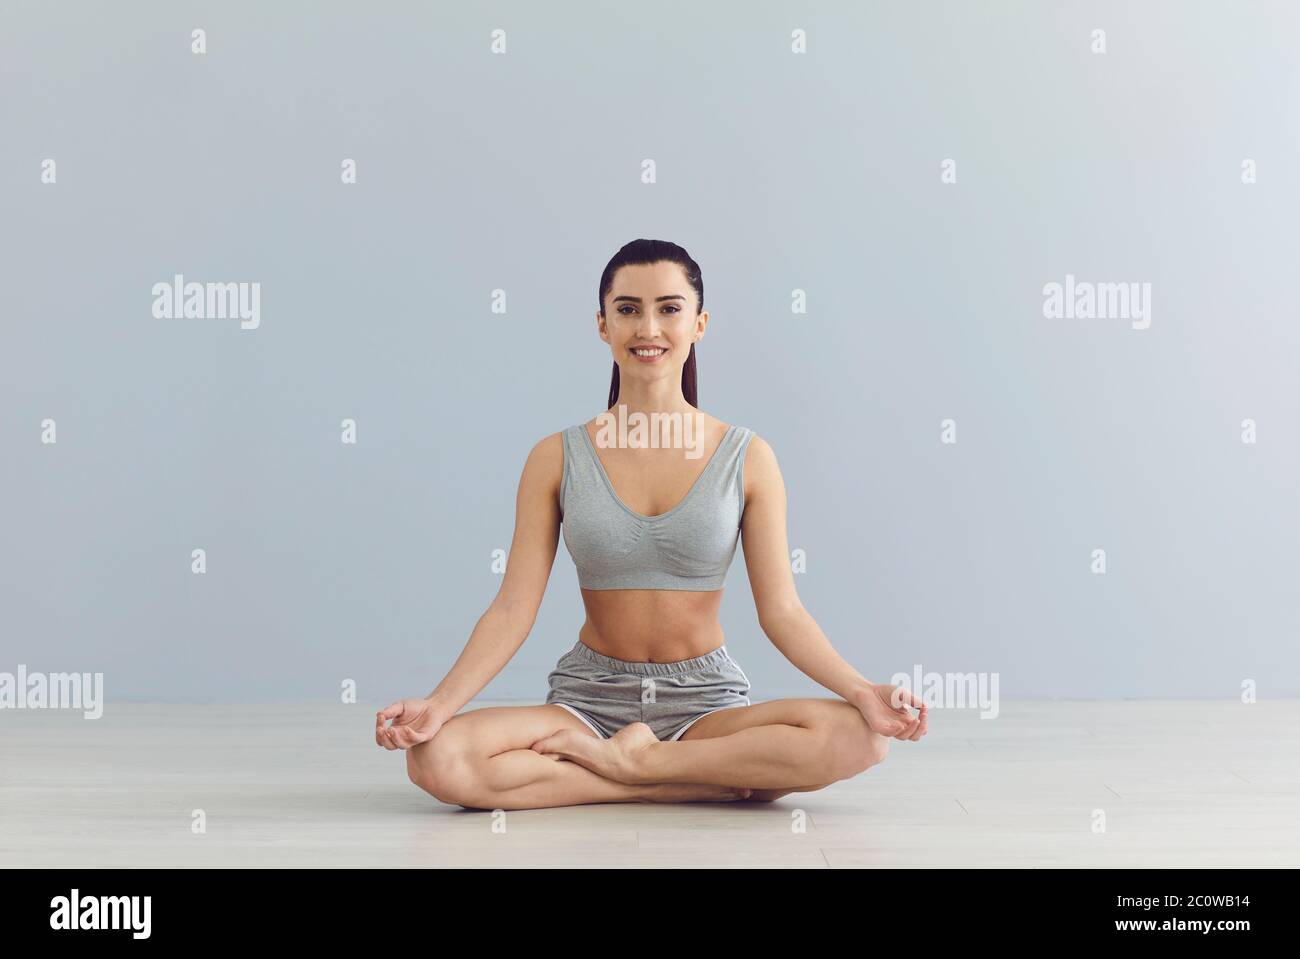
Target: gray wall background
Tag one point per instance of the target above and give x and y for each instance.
(521, 171)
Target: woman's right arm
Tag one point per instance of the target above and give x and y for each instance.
(502, 629)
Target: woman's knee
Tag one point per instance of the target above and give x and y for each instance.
(853, 747)
(444, 768)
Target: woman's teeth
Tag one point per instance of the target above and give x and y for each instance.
(650, 352)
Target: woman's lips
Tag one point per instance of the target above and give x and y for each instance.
(648, 354)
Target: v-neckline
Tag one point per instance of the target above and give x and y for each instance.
(609, 485)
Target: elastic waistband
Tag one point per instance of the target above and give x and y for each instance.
(707, 661)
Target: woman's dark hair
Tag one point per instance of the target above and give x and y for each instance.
(638, 253)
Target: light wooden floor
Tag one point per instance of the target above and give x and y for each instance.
(1180, 784)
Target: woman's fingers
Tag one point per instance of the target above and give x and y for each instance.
(897, 728)
(900, 698)
(385, 714)
(923, 722)
(912, 727)
(386, 735)
(917, 730)
(909, 725)
(893, 722)
(399, 736)
(909, 698)
(405, 737)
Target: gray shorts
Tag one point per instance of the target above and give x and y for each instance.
(608, 694)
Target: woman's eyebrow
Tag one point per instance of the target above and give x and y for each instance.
(637, 299)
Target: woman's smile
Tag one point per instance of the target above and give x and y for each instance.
(648, 354)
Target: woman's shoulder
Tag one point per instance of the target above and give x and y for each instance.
(712, 426)
(759, 457)
(547, 454)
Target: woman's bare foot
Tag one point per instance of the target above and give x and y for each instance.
(617, 758)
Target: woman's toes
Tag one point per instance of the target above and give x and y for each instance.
(552, 745)
(568, 744)
(635, 735)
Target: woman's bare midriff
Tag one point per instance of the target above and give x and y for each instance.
(651, 625)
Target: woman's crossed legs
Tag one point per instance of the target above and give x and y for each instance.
(528, 757)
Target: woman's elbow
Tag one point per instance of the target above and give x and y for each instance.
(776, 617)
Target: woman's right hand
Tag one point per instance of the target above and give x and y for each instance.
(414, 721)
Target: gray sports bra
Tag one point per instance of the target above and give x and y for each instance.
(689, 547)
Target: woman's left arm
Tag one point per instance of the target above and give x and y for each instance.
(781, 615)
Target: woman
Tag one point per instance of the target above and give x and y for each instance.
(649, 705)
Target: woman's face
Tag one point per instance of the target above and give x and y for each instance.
(650, 321)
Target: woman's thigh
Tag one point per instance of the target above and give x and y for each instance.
(491, 730)
(457, 764)
(789, 712)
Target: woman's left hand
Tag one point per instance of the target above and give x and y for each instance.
(885, 710)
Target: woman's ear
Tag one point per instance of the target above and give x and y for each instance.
(701, 322)
(600, 325)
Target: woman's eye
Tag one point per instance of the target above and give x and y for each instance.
(670, 308)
